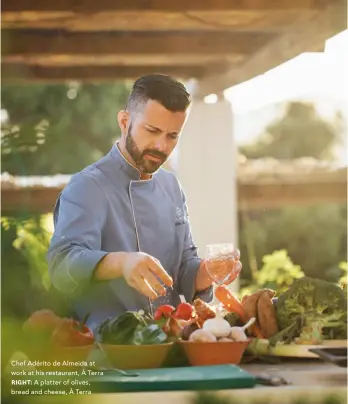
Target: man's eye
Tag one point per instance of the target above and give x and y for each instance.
(173, 136)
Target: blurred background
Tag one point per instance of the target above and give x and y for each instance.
(263, 157)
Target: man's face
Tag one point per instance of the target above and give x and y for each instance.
(151, 134)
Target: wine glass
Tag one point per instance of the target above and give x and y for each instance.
(221, 257)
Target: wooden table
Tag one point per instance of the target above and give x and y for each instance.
(309, 378)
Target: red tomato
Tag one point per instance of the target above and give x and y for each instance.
(184, 311)
(163, 311)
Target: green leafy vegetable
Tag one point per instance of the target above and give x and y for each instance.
(321, 305)
(288, 334)
(149, 335)
(131, 328)
(120, 330)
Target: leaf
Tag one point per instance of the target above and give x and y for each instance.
(149, 335)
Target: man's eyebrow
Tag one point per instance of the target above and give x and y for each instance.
(160, 130)
(154, 127)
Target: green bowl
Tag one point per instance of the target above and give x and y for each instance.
(137, 356)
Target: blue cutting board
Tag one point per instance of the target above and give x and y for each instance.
(173, 379)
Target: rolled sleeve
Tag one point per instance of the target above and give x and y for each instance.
(75, 269)
(190, 264)
(75, 248)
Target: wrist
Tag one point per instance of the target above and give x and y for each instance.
(111, 266)
(203, 279)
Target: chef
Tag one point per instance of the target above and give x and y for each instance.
(122, 238)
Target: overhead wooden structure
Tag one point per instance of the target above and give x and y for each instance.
(262, 184)
(218, 42)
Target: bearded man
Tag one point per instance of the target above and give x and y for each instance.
(122, 238)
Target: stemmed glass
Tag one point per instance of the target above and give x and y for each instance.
(220, 255)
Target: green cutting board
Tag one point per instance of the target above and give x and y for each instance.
(169, 379)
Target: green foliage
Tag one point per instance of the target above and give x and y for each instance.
(11, 339)
(32, 242)
(314, 236)
(58, 128)
(301, 132)
(15, 275)
(24, 243)
(278, 273)
(333, 399)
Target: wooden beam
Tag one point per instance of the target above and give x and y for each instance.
(153, 21)
(307, 36)
(18, 73)
(165, 61)
(157, 15)
(250, 196)
(158, 5)
(273, 196)
(29, 200)
(18, 45)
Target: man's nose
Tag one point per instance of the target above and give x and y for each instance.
(161, 144)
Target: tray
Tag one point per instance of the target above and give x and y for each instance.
(261, 347)
(337, 356)
(174, 379)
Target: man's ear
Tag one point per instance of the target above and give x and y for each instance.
(123, 121)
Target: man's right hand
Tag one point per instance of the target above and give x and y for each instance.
(141, 271)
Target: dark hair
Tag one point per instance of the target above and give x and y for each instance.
(161, 88)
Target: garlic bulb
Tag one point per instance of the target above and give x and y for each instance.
(238, 334)
(202, 336)
(217, 326)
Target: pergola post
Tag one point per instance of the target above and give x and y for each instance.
(207, 171)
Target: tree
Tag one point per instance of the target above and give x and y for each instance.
(58, 128)
(314, 236)
(301, 132)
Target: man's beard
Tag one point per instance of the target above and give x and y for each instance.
(143, 165)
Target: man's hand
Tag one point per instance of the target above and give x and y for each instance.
(141, 271)
(227, 270)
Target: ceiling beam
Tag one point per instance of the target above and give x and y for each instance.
(19, 73)
(223, 15)
(21, 44)
(85, 6)
(306, 36)
(270, 21)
